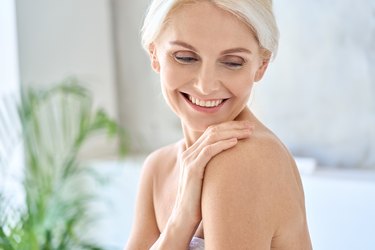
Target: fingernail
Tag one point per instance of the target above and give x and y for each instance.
(233, 140)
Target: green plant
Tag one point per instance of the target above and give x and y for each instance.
(55, 124)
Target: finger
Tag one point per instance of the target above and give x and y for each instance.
(193, 152)
(221, 128)
(230, 125)
(220, 136)
(209, 151)
(224, 130)
(215, 133)
(227, 134)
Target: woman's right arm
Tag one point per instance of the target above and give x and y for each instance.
(145, 233)
(145, 230)
(186, 214)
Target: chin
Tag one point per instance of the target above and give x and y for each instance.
(200, 125)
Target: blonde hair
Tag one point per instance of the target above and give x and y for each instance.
(257, 14)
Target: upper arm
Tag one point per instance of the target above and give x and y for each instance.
(144, 230)
(238, 200)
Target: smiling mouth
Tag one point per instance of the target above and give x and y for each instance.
(202, 103)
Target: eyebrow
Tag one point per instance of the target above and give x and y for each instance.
(236, 50)
(183, 44)
(228, 51)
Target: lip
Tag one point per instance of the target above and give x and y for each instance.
(203, 109)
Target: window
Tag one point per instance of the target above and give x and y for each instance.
(11, 156)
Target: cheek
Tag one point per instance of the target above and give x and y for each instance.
(240, 85)
(173, 76)
(243, 92)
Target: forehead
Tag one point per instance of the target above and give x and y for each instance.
(205, 24)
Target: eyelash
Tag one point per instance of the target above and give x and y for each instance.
(185, 59)
(189, 59)
(234, 65)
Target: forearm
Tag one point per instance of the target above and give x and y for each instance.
(176, 235)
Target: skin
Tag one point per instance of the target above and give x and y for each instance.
(230, 180)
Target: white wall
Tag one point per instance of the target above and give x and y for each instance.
(318, 96)
(11, 152)
(142, 108)
(9, 80)
(9, 85)
(71, 37)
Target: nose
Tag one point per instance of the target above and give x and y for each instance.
(207, 81)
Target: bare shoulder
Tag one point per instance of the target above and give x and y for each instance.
(161, 159)
(262, 158)
(145, 230)
(160, 167)
(254, 190)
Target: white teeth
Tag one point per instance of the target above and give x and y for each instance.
(202, 103)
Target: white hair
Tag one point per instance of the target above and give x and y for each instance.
(257, 14)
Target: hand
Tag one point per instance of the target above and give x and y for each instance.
(193, 161)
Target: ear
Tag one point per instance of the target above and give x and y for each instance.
(262, 69)
(155, 65)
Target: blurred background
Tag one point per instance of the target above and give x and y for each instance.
(318, 95)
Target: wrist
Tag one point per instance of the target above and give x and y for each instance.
(185, 215)
(178, 232)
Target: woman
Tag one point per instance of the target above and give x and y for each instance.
(229, 183)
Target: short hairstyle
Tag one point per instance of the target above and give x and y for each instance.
(257, 14)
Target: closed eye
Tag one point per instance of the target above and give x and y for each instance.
(185, 59)
(233, 62)
(233, 65)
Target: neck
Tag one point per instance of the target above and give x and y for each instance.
(191, 135)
